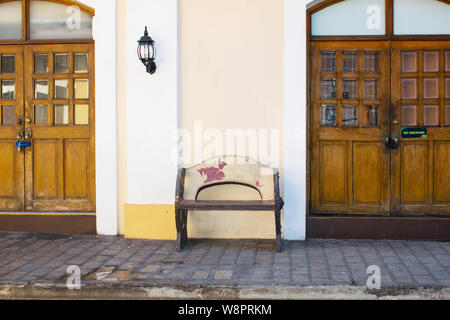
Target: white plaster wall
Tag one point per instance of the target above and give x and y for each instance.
(106, 114)
(152, 103)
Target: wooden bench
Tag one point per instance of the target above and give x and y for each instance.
(226, 171)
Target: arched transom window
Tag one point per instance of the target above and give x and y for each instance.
(382, 18)
(44, 20)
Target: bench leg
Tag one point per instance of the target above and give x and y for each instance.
(278, 229)
(185, 220)
(179, 224)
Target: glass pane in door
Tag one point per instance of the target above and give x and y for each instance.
(41, 89)
(61, 63)
(8, 64)
(350, 116)
(41, 114)
(349, 89)
(371, 62)
(328, 88)
(409, 116)
(431, 88)
(328, 62)
(8, 115)
(409, 88)
(409, 62)
(329, 115)
(371, 116)
(431, 115)
(431, 61)
(350, 62)
(8, 89)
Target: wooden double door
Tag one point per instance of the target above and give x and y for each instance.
(47, 105)
(380, 128)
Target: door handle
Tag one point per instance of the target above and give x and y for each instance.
(387, 143)
(20, 134)
(28, 134)
(391, 143)
(395, 142)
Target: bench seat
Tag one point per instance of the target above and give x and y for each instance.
(268, 205)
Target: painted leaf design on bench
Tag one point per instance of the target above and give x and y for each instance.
(214, 174)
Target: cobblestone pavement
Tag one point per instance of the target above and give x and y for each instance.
(34, 259)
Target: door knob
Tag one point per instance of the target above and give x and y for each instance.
(396, 122)
(28, 120)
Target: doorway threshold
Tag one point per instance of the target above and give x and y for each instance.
(52, 222)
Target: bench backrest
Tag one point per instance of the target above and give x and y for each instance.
(229, 170)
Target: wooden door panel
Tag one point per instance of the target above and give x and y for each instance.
(76, 169)
(60, 165)
(46, 169)
(420, 167)
(11, 111)
(8, 169)
(350, 118)
(333, 173)
(368, 173)
(441, 173)
(414, 173)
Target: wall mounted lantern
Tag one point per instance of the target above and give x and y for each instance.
(146, 52)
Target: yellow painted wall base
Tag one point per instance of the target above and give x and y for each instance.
(155, 222)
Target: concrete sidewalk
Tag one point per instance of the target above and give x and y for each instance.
(35, 266)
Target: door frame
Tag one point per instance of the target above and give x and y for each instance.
(338, 227)
(105, 220)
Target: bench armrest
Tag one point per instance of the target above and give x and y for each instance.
(179, 193)
(276, 183)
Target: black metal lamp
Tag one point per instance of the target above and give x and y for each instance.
(146, 52)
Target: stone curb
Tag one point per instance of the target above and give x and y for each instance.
(180, 292)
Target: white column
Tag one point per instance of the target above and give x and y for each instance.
(105, 114)
(295, 120)
(152, 104)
